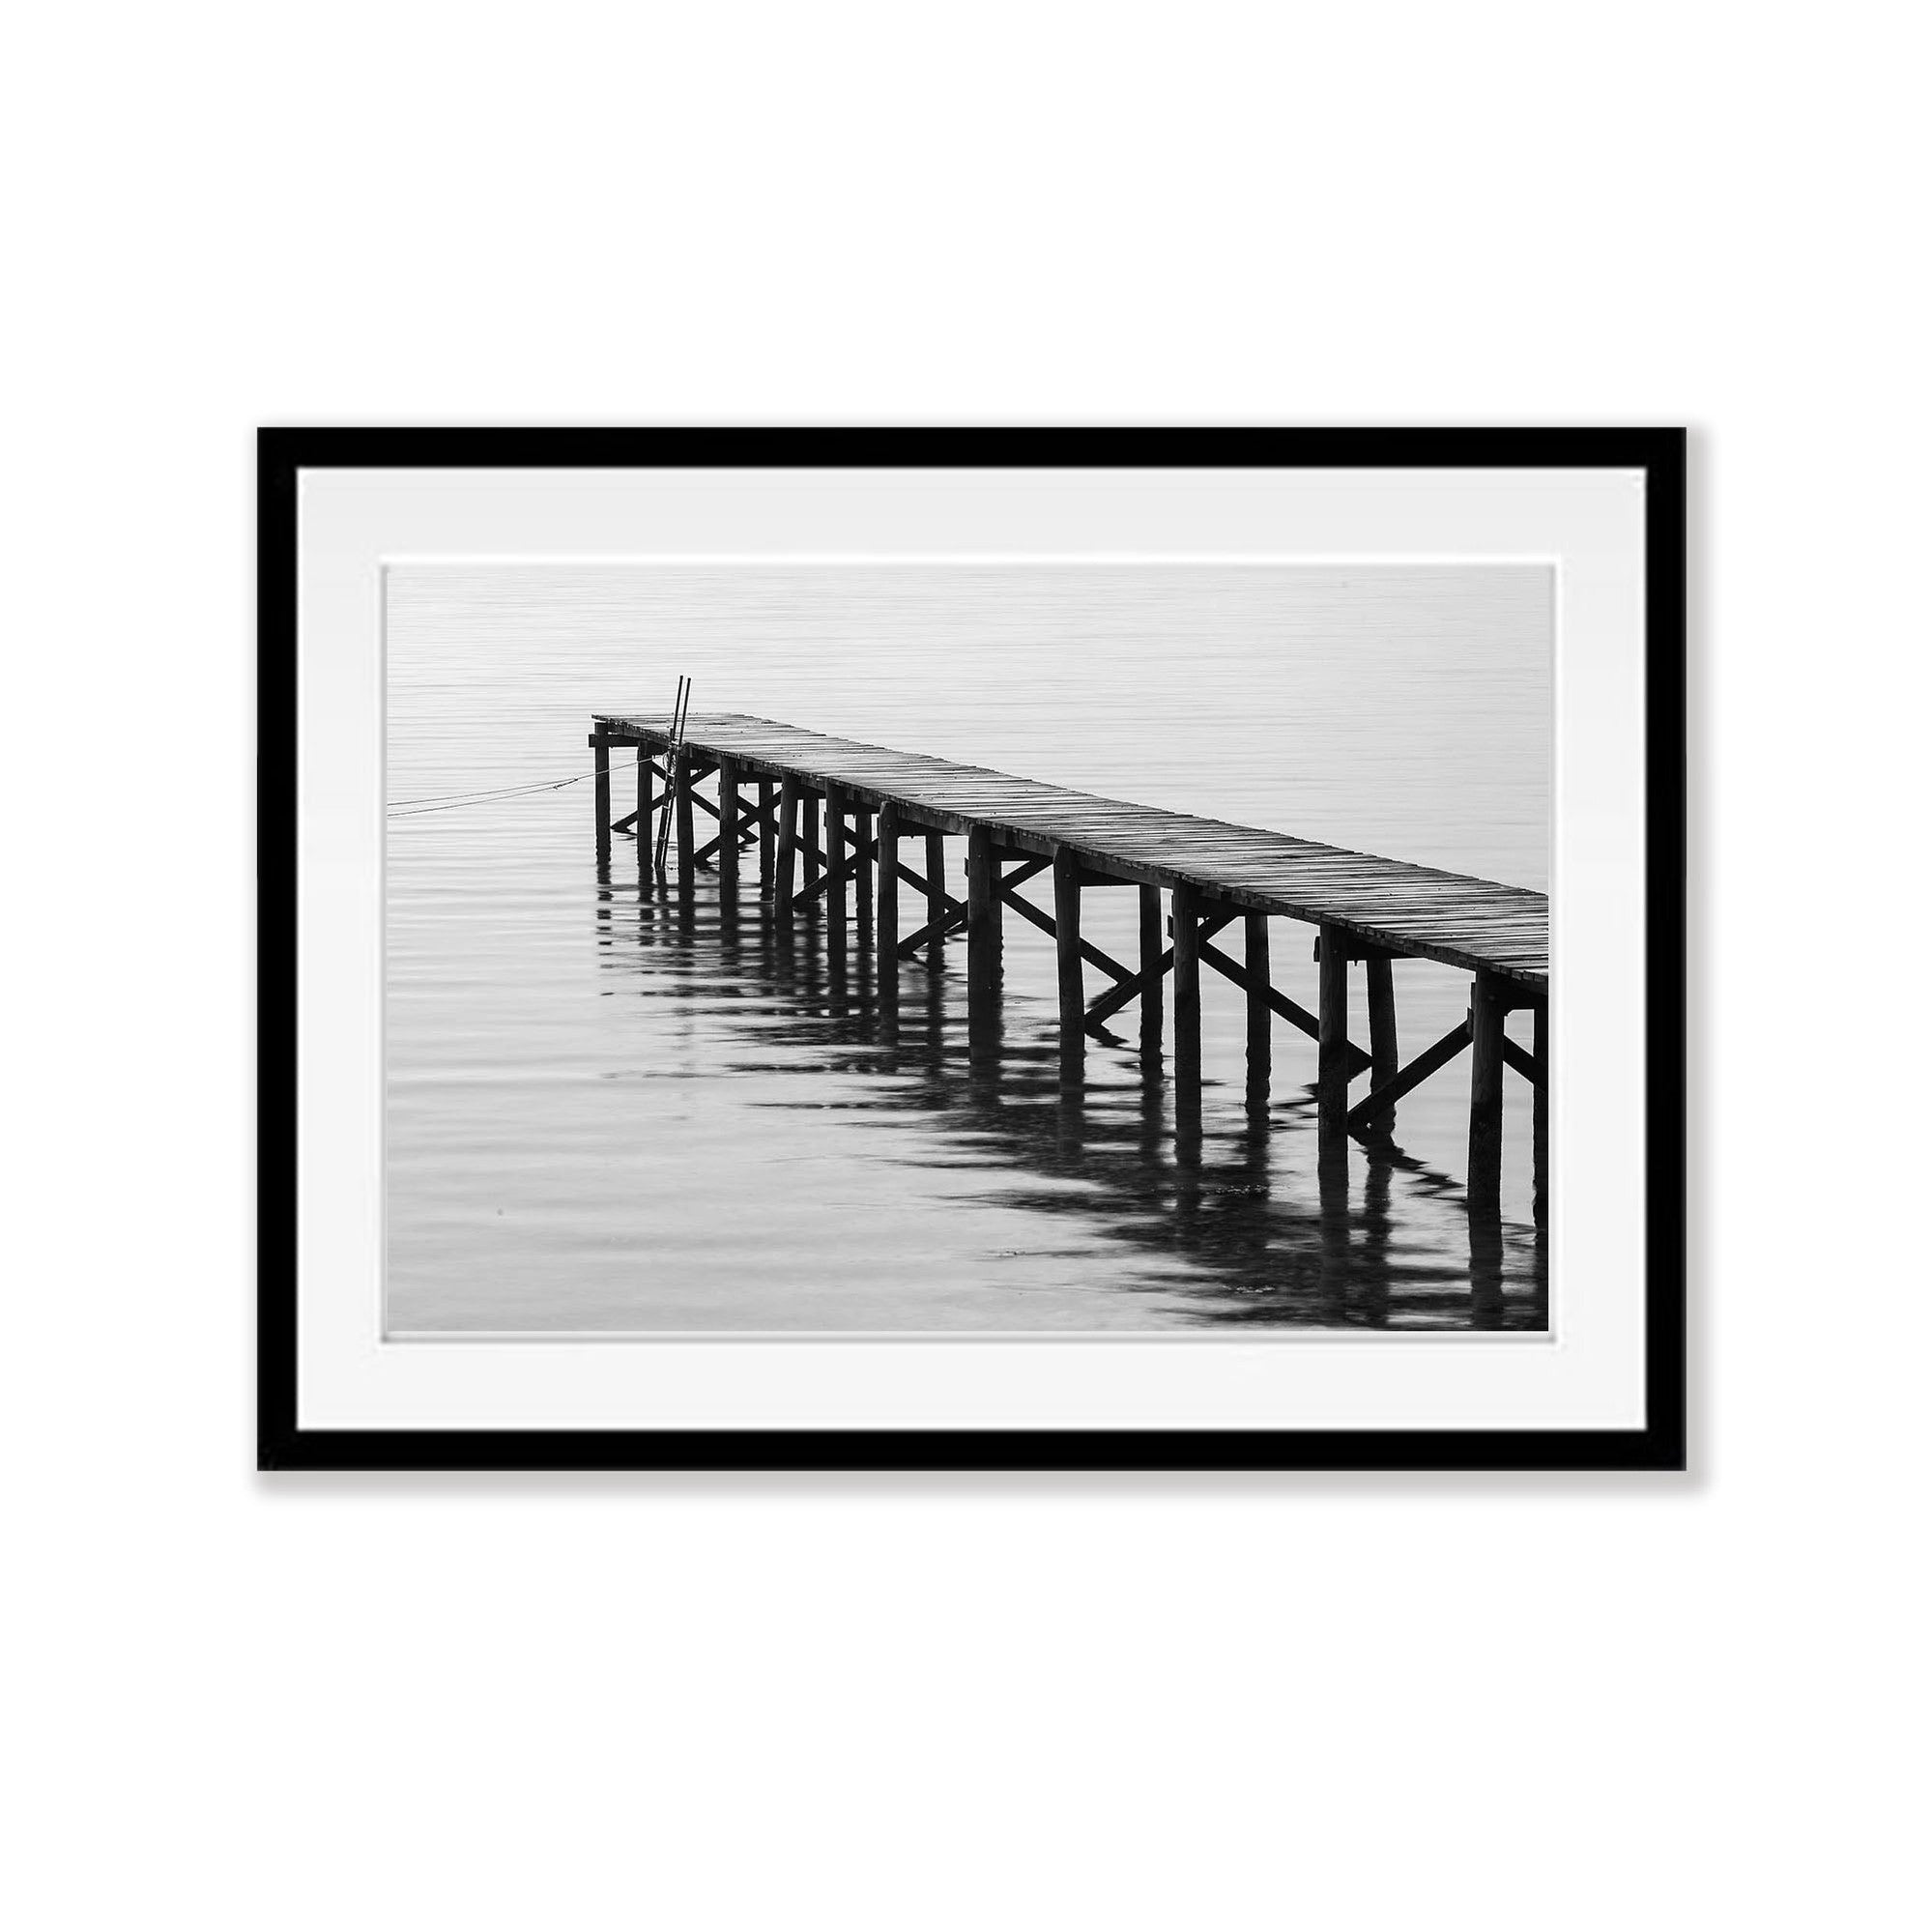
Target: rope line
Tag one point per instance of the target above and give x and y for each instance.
(451, 802)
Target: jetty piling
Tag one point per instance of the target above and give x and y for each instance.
(1369, 911)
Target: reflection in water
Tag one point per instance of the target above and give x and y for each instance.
(1228, 1208)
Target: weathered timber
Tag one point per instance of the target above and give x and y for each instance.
(1048, 922)
(837, 871)
(1409, 910)
(1111, 1001)
(787, 845)
(728, 824)
(1540, 1115)
(767, 835)
(1332, 1067)
(687, 844)
(600, 764)
(1487, 1006)
(1261, 1016)
(1278, 1001)
(888, 901)
(1152, 972)
(863, 826)
(1382, 1098)
(808, 834)
(1384, 1053)
(1187, 987)
(935, 900)
(1067, 941)
(984, 964)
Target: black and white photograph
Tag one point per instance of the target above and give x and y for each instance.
(970, 946)
(1120, 944)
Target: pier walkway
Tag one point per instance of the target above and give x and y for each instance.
(773, 779)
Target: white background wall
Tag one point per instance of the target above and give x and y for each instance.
(1339, 1703)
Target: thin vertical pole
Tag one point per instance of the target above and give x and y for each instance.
(1332, 1042)
(767, 838)
(1153, 974)
(1384, 1053)
(1073, 984)
(835, 876)
(862, 852)
(888, 904)
(601, 764)
(809, 836)
(1187, 991)
(1260, 1017)
(788, 848)
(936, 898)
(1539, 1105)
(727, 826)
(1486, 1009)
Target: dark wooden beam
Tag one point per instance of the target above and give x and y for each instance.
(1384, 1053)
(1116, 997)
(1065, 923)
(1152, 975)
(727, 826)
(787, 845)
(1486, 1009)
(889, 902)
(1260, 1013)
(1332, 1051)
(1297, 1015)
(937, 903)
(984, 939)
(1187, 986)
(1045, 921)
(601, 764)
(1431, 1060)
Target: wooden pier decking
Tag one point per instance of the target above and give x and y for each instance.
(773, 777)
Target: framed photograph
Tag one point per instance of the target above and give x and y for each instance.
(973, 949)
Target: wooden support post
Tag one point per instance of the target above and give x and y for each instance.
(1332, 1044)
(863, 826)
(888, 904)
(767, 837)
(601, 764)
(983, 925)
(1187, 991)
(728, 827)
(835, 876)
(936, 898)
(1153, 972)
(687, 844)
(809, 834)
(646, 829)
(1261, 1016)
(1066, 935)
(1384, 1053)
(1488, 1005)
(788, 847)
(1540, 1117)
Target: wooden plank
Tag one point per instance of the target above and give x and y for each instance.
(1408, 911)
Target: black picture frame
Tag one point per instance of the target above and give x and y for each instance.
(1659, 1444)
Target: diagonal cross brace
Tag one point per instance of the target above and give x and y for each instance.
(1296, 1016)
(1109, 1003)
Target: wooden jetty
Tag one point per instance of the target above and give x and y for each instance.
(830, 818)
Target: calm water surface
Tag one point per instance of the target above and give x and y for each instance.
(612, 1112)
